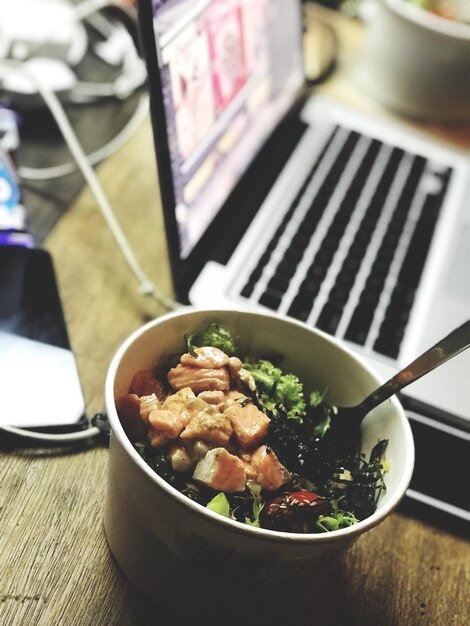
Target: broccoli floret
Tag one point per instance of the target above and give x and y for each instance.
(277, 390)
(214, 335)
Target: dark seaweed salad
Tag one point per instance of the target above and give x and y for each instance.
(330, 488)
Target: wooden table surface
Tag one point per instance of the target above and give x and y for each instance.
(55, 566)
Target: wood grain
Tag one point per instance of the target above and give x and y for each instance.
(55, 567)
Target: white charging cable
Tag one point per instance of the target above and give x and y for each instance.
(73, 437)
(57, 171)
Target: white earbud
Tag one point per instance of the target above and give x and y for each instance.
(55, 74)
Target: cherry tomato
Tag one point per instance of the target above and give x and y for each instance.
(303, 496)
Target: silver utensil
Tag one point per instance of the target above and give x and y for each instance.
(348, 418)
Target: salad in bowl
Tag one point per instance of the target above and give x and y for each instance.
(241, 436)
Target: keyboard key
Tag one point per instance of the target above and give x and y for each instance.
(361, 320)
(271, 299)
(330, 317)
(300, 308)
(292, 256)
(339, 295)
(247, 290)
(279, 283)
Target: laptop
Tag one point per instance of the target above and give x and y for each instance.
(277, 198)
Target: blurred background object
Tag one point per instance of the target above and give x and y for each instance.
(417, 62)
(86, 53)
(13, 222)
(458, 10)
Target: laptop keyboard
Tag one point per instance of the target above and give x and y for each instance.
(349, 253)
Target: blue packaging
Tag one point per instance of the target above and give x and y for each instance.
(13, 229)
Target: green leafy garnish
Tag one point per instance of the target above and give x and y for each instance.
(215, 336)
(219, 504)
(317, 400)
(276, 390)
(337, 518)
(361, 489)
(258, 503)
(158, 460)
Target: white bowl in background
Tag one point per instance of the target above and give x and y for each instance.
(417, 63)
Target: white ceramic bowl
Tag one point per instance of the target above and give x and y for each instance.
(201, 566)
(417, 63)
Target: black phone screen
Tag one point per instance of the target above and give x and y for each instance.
(39, 381)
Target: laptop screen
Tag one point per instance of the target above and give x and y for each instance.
(229, 71)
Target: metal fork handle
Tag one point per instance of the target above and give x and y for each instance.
(455, 342)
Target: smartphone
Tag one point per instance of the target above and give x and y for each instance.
(39, 380)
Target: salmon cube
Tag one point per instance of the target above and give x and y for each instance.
(210, 426)
(128, 408)
(184, 404)
(148, 404)
(157, 439)
(199, 378)
(198, 449)
(234, 366)
(166, 422)
(250, 425)
(235, 396)
(264, 468)
(216, 398)
(207, 357)
(221, 471)
(180, 459)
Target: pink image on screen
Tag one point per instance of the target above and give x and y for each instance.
(226, 47)
(255, 34)
(192, 90)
